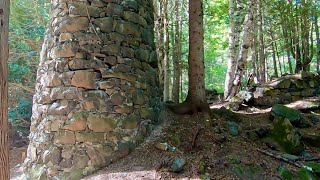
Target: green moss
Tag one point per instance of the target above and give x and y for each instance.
(285, 136)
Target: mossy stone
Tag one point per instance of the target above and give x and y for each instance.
(285, 136)
(293, 115)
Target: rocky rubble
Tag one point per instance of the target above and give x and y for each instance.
(97, 87)
(287, 89)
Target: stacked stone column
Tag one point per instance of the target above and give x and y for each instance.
(96, 89)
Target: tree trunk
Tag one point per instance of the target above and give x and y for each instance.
(176, 54)
(318, 41)
(158, 6)
(255, 44)
(196, 90)
(235, 21)
(278, 57)
(273, 46)
(262, 46)
(4, 124)
(166, 60)
(305, 36)
(274, 60)
(247, 43)
(296, 44)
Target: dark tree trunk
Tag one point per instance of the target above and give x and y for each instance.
(4, 124)
(196, 90)
(176, 54)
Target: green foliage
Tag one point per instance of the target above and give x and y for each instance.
(20, 115)
(18, 73)
(304, 174)
(284, 173)
(248, 172)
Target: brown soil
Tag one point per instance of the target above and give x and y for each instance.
(211, 154)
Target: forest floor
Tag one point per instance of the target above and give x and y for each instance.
(206, 145)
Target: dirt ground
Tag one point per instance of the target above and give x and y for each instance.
(207, 146)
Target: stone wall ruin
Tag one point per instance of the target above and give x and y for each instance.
(96, 87)
(287, 89)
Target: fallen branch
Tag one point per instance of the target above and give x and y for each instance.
(280, 158)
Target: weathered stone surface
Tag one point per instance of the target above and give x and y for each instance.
(124, 109)
(65, 93)
(142, 55)
(52, 156)
(50, 79)
(90, 137)
(76, 125)
(121, 68)
(135, 18)
(96, 91)
(61, 107)
(65, 37)
(128, 77)
(64, 51)
(131, 121)
(139, 98)
(97, 3)
(128, 28)
(311, 137)
(286, 138)
(84, 79)
(101, 123)
(130, 4)
(65, 137)
(111, 49)
(114, 10)
(83, 9)
(293, 115)
(80, 161)
(117, 99)
(105, 24)
(74, 24)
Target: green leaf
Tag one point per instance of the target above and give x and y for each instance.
(304, 174)
(284, 173)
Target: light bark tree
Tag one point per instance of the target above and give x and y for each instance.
(246, 44)
(235, 23)
(316, 27)
(4, 124)
(159, 32)
(166, 59)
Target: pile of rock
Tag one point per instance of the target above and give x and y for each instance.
(96, 87)
(287, 89)
(290, 130)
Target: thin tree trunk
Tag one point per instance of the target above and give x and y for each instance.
(4, 124)
(296, 45)
(166, 61)
(287, 49)
(235, 21)
(158, 6)
(262, 46)
(274, 59)
(305, 36)
(318, 41)
(176, 54)
(247, 43)
(278, 57)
